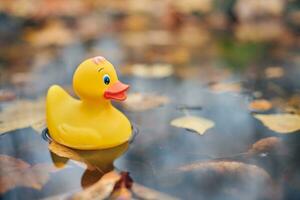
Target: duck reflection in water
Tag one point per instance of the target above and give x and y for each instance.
(98, 162)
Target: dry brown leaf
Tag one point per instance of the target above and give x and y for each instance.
(197, 124)
(141, 102)
(274, 72)
(149, 71)
(15, 172)
(21, 114)
(269, 144)
(226, 87)
(55, 33)
(100, 190)
(281, 123)
(260, 105)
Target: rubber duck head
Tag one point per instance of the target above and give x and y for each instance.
(96, 80)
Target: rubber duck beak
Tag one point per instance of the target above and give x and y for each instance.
(117, 91)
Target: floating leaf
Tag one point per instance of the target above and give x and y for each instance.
(122, 188)
(141, 102)
(7, 95)
(100, 190)
(226, 87)
(15, 172)
(281, 123)
(269, 144)
(274, 72)
(226, 168)
(146, 193)
(149, 71)
(115, 186)
(260, 105)
(198, 124)
(48, 35)
(21, 114)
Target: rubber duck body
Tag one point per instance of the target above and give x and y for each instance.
(90, 122)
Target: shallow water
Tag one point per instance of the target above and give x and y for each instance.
(156, 153)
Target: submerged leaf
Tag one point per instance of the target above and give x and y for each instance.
(198, 124)
(15, 172)
(141, 102)
(260, 105)
(22, 114)
(281, 123)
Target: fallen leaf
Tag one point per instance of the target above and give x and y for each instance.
(49, 35)
(122, 188)
(225, 87)
(219, 176)
(7, 95)
(281, 123)
(269, 144)
(141, 102)
(146, 193)
(15, 172)
(112, 185)
(149, 71)
(101, 160)
(100, 190)
(260, 105)
(198, 124)
(226, 168)
(274, 72)
(21, 114)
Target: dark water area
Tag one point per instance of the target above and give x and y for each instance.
(154, 158)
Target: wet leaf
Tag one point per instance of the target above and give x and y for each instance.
(281, 123)
(226, 87)
(66, 152)
(260, 105)
(48, 35)
(100, 190)
(122, 188)
(141, 102)
(226, 168)
(274, 72)
(197, 124)
(269, 144)
(146, 193)
(7, 95)
(21, 114)
(149, 71)
(15, 172)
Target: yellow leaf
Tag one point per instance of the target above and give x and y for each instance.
(281, 123)
(198, 124)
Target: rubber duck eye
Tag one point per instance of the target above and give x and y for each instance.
(106, 79)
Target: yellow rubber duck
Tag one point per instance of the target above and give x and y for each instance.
(91, 122)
